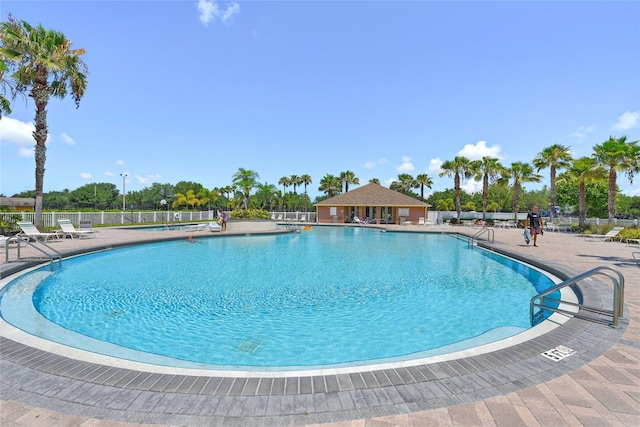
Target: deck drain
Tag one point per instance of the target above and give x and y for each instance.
(249, 346)
(558, 353)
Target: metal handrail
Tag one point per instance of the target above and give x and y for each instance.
(618, 298)
(490, 235)
(27, 240)
(289, 225)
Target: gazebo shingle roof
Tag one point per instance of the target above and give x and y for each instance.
(372, 194)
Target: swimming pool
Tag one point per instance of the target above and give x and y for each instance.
(329, 297)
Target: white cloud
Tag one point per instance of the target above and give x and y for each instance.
(471, 186)
(480, 150)
(85, 175)
(628, 120)
(435, 165)
(209, 11)
(369, 165)
(149, 178)
(582, 131)
(406, 165)
(108, 173)
(388, 182)
(25, 152)
(14, 131)
(372, 165)
(120, 162)
(67, 139)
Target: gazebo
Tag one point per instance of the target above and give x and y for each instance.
(375, 202)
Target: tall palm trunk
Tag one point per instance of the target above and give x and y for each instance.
(611, 202)
(457, 188)
(552, 189)
(485, 196)
(582, 205)
(516, 202)
(40, 94)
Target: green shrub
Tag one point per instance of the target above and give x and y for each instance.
(630, 233)
(9, 226)
(249, 214)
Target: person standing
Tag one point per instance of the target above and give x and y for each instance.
(224, 221)
(534, 223)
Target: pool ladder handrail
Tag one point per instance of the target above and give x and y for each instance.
(616, 313)
(289, 225)
(490, 235)
(27, 240)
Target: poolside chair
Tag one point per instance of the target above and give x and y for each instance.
(421, 221)
(214, 226)
(609, 237)
(69, 230)
(29, 230)
(303, 218)
(196, 227)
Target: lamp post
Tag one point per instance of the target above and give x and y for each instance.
(124, 193)
(163, 206)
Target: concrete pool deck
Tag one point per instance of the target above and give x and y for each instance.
(598, 385)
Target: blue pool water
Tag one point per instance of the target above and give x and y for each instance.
(330, 297)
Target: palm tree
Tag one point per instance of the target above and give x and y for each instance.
(617, 155)
(42, 60)
(285, 181)
(330, 185)
(375, 181)
(207, 196)
(445, 204)
(488, 169)
(348, 177)
(521, 173)
(583, 171)
(228, 190)
(187, 199)
(404, 184)
(459, 167)
(246, 179)
(425, 181)
(554, 157)
(306, 180)
(266, 193)
(5, 104)
(295, 181)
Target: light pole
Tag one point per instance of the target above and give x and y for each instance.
(124, 194)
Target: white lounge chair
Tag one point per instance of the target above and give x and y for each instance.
(196, 227)
(69, 230)
(30, 230)
(214, 226)
(303, 218)
(609, 237)
(421, 221)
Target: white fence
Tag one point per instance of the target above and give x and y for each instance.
(508, 216)
(50, 219)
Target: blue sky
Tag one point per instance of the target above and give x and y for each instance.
(193, 90)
